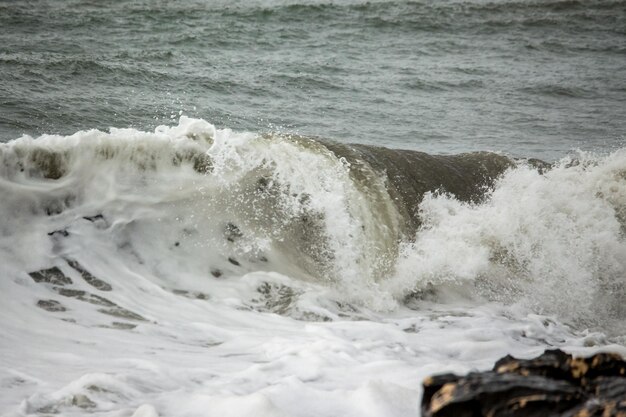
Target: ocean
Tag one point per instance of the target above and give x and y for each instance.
(302, 208)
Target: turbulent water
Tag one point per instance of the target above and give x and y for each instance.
(302, 208)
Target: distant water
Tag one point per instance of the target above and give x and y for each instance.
(533, 78)
(302, 209)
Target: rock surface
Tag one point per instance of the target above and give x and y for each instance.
(552, 384)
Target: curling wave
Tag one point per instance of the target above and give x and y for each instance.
(193, 202)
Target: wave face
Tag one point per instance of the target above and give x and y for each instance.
(554, 241)
(201, 271)
(377, 226)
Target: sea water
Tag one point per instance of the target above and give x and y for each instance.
(284, 208)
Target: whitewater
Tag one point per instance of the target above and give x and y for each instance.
(197, 271)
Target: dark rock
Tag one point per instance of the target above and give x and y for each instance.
(556, 364)
(216, 273)
(50, 276)
(234, 261)
(552, 384)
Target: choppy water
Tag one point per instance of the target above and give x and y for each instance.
(197, 218)
(535, 78)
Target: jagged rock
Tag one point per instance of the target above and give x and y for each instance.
(552, 384)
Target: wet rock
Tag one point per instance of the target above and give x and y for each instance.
(552, 384)
(88, 277)
(216, 273)
(51, 305)
(234, 261)
(50, 276)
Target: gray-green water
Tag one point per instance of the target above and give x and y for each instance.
(531, 78)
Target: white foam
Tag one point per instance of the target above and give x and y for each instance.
(553, 242)
(239, 344)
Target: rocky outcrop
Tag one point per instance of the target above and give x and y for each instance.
(552, 384)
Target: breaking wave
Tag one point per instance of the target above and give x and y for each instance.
(376, 226)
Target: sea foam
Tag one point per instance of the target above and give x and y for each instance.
(202, 271)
